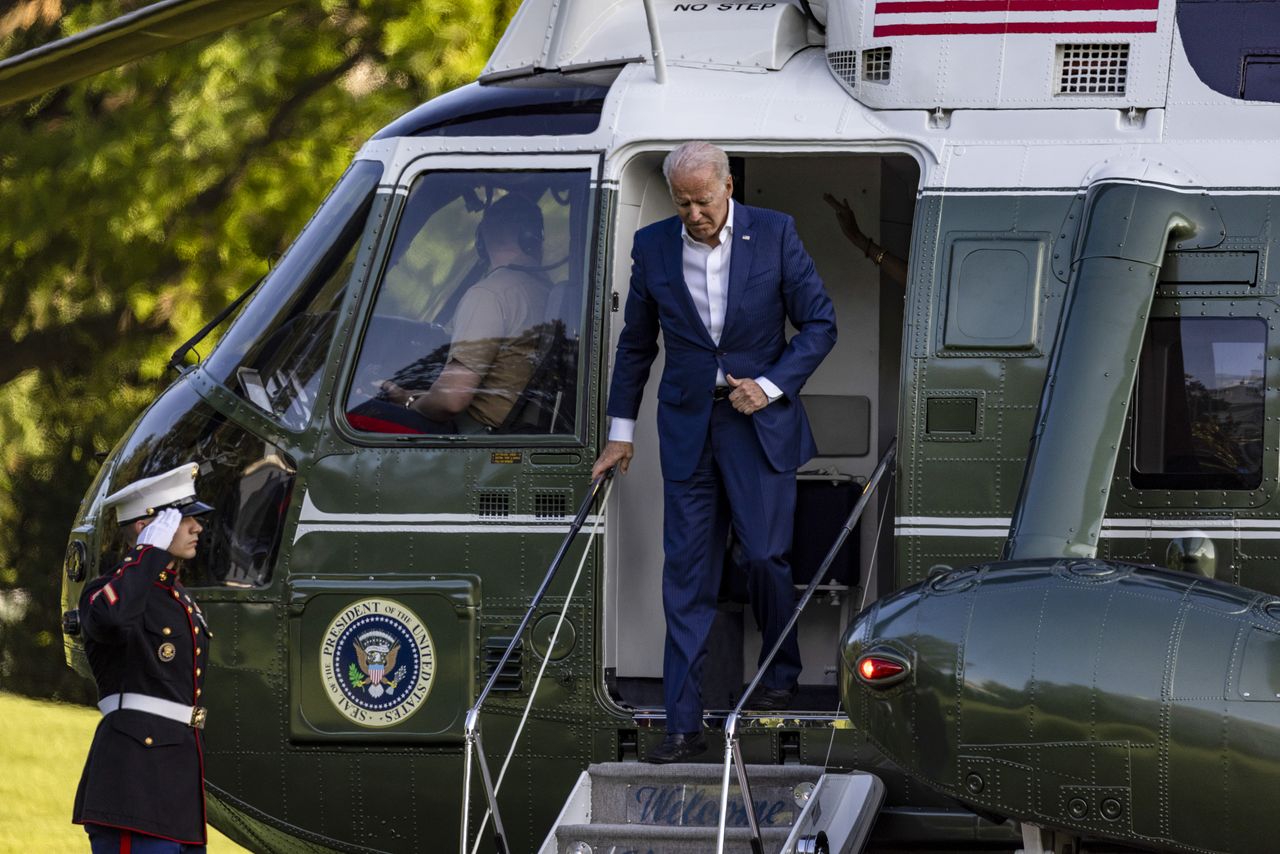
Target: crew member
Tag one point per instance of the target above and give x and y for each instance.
(720, 280)
(147, 641)
(894, 266)
(495, 345)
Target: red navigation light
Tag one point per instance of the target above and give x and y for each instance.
(878, 669)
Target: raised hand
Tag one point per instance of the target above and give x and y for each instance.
(159, 532)
(848, 222)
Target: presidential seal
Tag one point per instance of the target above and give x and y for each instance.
(377, 662)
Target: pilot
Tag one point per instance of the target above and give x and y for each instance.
(495, 344)
(147, 641)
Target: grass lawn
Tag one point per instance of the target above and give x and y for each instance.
(42, 750)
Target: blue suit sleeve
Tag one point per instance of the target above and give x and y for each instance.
(637, 344)
(810, 311)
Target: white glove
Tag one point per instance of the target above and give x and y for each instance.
(161, 530)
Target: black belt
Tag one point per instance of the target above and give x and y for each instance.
(722, 392)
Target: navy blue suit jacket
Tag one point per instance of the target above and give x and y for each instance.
(771, 280)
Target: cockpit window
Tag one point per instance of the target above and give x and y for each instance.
(1199, 416)
(273, 354)
(475, 328)
(248, 480)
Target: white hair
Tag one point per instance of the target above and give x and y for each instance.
(694, 157)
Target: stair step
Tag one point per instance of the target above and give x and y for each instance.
(688, 794)
(640, 839)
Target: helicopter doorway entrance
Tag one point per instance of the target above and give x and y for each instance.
(852, 401)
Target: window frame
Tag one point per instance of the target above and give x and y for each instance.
(591, 162)
(1181, 499)
(368, 239)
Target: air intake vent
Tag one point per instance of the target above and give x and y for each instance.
(1092, 69)
(493, 505)
(550, 505)
(845, 65)
(512, 675)
(875, 64)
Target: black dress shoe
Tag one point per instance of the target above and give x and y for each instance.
(771, 699)
(677, 747)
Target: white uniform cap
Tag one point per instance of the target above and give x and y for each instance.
(147, 497)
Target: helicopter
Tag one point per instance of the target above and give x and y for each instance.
(1076, 385)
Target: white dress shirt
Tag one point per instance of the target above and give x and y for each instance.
(706, 275)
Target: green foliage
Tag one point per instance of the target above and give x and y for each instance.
(140, 202)
(44, 746)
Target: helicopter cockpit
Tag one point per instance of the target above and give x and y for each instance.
(483, 286)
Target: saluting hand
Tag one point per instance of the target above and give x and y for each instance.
(747, 397)
(160, 530)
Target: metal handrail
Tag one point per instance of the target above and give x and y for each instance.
(471, 728)
(732, 751)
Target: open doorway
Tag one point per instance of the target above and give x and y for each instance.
(852, 401)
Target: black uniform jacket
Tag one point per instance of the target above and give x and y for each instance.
(144, 635)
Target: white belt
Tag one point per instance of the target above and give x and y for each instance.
(192, 716)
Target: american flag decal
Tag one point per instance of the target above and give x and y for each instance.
(1007, 17)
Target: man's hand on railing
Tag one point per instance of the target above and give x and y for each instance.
(614, 454)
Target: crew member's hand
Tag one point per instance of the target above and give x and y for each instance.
(614, 453)
(747, 397)
(394, 393)
(848, 222)
(160, 530)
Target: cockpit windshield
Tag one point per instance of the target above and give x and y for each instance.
(273, 354)
(475, 329)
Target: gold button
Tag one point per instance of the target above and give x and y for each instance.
(164, 576)
(196, 630)
(198, 671)
(199, 650)
(175, 594)
(166, 631)
(197, 692)
(189, 611)
(147, 741)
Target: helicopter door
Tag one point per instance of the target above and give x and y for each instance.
(459, 448)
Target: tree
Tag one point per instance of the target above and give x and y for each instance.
(138, 203)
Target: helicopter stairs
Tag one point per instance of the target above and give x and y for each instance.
(635, 808)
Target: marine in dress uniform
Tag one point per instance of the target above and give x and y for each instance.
(147, 641)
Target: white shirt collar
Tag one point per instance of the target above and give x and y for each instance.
(725, 233)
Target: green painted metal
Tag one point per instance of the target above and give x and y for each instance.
(1101, 698)
(1126, 231)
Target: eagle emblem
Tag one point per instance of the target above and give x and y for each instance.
(377, 662)
(376, 654)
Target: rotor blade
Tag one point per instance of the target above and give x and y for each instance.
(137, 34)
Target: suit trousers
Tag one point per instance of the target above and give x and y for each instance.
(733, 483)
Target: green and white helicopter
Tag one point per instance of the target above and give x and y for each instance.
(447, 637)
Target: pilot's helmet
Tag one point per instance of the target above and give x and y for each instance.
(514, 215)
(147, 497)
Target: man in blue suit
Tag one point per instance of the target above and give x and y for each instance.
(720, 280)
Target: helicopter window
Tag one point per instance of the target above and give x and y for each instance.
(547, 104)
(1234, 48)
(475, 326)
(1199, 415)
(273, 354)
(248, 481)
